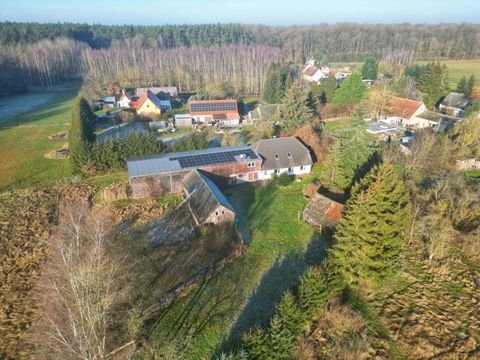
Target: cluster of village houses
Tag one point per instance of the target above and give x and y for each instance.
(201, 173)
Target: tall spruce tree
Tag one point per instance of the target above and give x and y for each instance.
(352, 90)
(433, 83)
(296, 112)
(470, 85)
(370, 69)
(462, 85)
(370, 235)
(81, 134)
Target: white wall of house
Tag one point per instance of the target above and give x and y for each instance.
(124, 102)
(298, 170)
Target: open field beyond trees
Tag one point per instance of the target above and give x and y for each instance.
(460, 68)
(24, 140)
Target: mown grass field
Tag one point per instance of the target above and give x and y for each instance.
(24, 141)
(245, 293)
(459, 68)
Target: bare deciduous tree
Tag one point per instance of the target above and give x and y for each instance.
(78, 287)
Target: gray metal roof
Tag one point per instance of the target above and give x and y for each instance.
(203, 195)
(282, 153)
(174, 162)
(456, 100)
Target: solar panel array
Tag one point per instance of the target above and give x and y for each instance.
(192, 161)
(213, 106)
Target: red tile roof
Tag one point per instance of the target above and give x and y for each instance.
(310, 71)
(404, 108)
(141, 100)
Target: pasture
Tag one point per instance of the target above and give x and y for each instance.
(24, 137)
(245, 293)
(459, 68)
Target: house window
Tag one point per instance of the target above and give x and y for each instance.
(251, 164)
(290, 170)
(216, 213)
(223, 212)
(276, 156)
(289, 154)
(277, 171)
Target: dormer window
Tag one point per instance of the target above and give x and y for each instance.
(289, 154)
(276, 157)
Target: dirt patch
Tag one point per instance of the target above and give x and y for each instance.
(58, 154)
(62, 135)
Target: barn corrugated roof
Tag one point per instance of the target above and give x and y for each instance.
(172, 162)
(203, 195)
(282, 153)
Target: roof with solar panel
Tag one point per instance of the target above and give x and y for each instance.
(210, 107)
(174, 162)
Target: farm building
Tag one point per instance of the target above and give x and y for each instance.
(283, 155)
(223, 112)
(322, 212)
(312, 73)
(207, 203)
(455, 104)
(163, 92)
(151, 176)
(183, 120)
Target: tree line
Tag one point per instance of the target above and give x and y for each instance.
(337, 42)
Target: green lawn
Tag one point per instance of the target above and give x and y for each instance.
(244, 294)
(459, 68)
(24, 141)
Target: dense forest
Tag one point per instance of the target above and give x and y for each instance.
(47, 54)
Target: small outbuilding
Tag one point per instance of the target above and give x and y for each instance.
(206, 202)
(322, 212)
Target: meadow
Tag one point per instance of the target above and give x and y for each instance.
(244, 295)
(24, 140)
(459, 68)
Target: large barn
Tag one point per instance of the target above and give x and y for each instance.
(152, 176)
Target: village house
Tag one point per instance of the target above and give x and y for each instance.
(407, 113)
(455, 104)
(206, 202)
(283, 155)
(312, 73)
(147, 104)
(154, 175)
(223, 112)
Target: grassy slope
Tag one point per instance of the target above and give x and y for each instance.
(24, 141)
(244, 294)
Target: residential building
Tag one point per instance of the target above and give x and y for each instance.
(223, 112)
(283, 155)
(406, 113)
(312, 73)
(158, 174)
(147, 104)
(455, 104)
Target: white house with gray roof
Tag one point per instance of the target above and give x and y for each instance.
(283, 155)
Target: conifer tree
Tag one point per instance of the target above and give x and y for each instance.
(352, 90)
(433, 83)
(296, 112)
(370, 235)
(462, 85)
(470, 85)
(81, 134)
(370, 69)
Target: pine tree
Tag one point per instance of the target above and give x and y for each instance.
(370, 235)
(462, 85)
(352, 90)
(81, 134)
(433, 83)
(370, 69)
(470, 85)
(296, 112)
